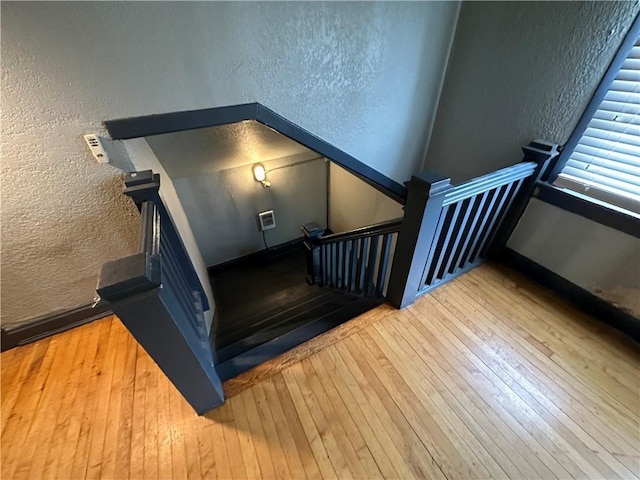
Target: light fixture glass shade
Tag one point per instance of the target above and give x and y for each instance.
(259, 172)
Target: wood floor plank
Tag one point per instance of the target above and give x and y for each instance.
(69, 384)
(370, 467)
(573, 350)
(316, 443)
(420, 457)
(296, 428)
(26, 400)
(398, 446)
(247, 449)
(15, 371)
(591, 451)
(510, 331)
(289, 448)
(40, 426)
(150, 462)
(539, 434)
(577, 454)
(401, 353)
(257, 434)
(494, 435)
(439, 442)
(330, 436)
(103, 381)
(488, 376)
(325, 367)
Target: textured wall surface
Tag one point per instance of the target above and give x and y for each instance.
(142, 157)
(193, 152)
(354, 203)
(602, 260)
(525, 70)
(520, 71)
(222, 207)
(365, 77)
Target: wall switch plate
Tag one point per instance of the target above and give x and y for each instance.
(267, 220)
(97, 148)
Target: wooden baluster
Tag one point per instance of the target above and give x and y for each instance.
(354, 263)
(436, 248)
(461, 262)
(345, 263)
(364, 246)
(451, 232)
(493, 217)
(371, 266)
(484, 218)
(384, 264)
(462, 233)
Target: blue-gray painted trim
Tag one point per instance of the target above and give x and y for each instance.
(144, 126)
(48, 325)
(588, 208)
(144, 186)
(601, 91)
(366, 173)
(580, 298)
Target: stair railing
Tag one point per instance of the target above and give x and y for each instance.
(448, 230)
(355, 261)
(157, 295)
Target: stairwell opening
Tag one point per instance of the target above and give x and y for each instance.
(264, 302)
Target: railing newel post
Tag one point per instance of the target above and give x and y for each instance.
(424, 204)
(541, 153)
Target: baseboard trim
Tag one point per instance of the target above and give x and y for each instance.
(579, 297)
(258, 256)
(52, 324)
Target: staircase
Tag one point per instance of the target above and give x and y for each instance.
(255, 327)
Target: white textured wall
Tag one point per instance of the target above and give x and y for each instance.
(520, 71)
(354, 203)
(363, 76)
(593, 256)
(223, 206)
(525, 70)
(142, 157)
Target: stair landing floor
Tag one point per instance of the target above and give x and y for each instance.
(488, 376)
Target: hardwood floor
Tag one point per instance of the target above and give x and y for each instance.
(489, 376)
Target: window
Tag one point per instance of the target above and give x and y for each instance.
(602, 158)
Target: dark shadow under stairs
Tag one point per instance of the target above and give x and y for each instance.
(265, 308)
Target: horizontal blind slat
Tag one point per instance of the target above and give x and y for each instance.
(608, 154)
(607, 162)
(628, 202)
(603, 170)
(592, 177)
(627, 74)
(626, 97)
(611, 141)
(618, 126)
(631, 64)
(625, 86)
(619, 107)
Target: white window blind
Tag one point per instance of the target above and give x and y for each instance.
(605, 164)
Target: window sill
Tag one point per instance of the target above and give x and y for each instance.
(592, 209)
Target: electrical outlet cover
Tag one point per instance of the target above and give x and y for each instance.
(267, 220)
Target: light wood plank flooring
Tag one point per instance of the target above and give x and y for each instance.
(487, 377)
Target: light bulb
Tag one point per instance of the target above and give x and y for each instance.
(259, 172)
